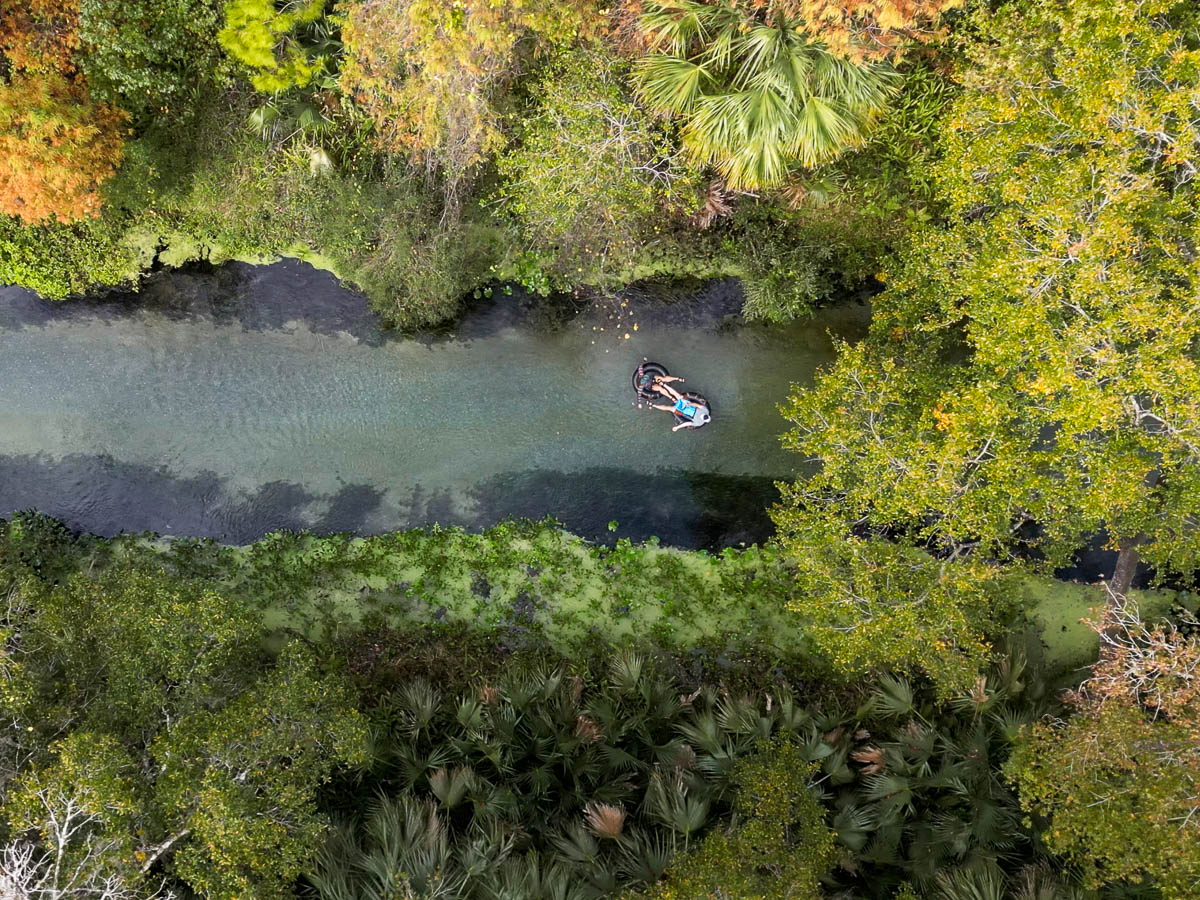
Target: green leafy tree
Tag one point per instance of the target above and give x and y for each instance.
(755, 97)
(432, 76)
(870, 604)
(583, 123)
(179, 757)
(1118, 779)
(777, 846)
(276, 45)
(1031, 377)
(80, 812)
(136, 641)
(241, 781)
(58, 260)
(143, 54)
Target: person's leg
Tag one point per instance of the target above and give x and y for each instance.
(666, 390)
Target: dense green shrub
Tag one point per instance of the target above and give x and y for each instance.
(583, 121)
(778, 846)
(500, 747)
(141, 718)
(785, 272)
(923, 789)
(60, 260)
(148, 55)
(376, 226)
(1117, 779)
(540, 784)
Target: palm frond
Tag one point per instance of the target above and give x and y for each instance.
(984, 882)
(893, 698)
(755, 97)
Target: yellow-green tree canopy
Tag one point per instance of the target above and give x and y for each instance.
(1118, 779)
(429, 73)
(584, 122)
(1032, 375)
(267, 41)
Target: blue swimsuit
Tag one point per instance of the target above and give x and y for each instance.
(685, 409)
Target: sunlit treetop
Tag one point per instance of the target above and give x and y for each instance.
(268, 42)
(57, 146)
(430, 74)
(1033, 372)
(39, 35)
(1118, 777)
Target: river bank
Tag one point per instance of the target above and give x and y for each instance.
(232, 401)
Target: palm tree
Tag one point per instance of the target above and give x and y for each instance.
(755, 97)
(540, 786)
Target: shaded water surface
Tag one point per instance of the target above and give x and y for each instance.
(235, 401)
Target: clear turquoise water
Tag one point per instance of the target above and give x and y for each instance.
(233, 402)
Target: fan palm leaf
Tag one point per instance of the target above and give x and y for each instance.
(626, 672)
(853, 826)
(893, 698)
(755, 97)
(645, 855)
(672, 802)
(451, 786)
(985, 882)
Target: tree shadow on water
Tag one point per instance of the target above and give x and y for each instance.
(266, 298)
(681, 508)
(105, 496)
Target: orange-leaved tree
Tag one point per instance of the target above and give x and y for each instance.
(57, 146)
(39, 35)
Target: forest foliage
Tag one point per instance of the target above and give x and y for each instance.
(483, 116)
(171, 722)
(1030, 378)
(855, 710)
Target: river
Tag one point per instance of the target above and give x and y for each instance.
(229, 402)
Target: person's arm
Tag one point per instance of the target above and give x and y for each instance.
(663, 407)
(670, 378)
(684, 425)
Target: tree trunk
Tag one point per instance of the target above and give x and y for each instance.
(1127, 563)
(162, 848)
(1118, 588)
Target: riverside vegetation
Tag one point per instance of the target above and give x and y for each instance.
(519, 713)
(422, 150)
(893, 698)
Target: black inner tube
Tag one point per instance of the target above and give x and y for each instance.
(643, 378)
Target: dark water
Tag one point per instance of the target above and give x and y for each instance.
(235, 401)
